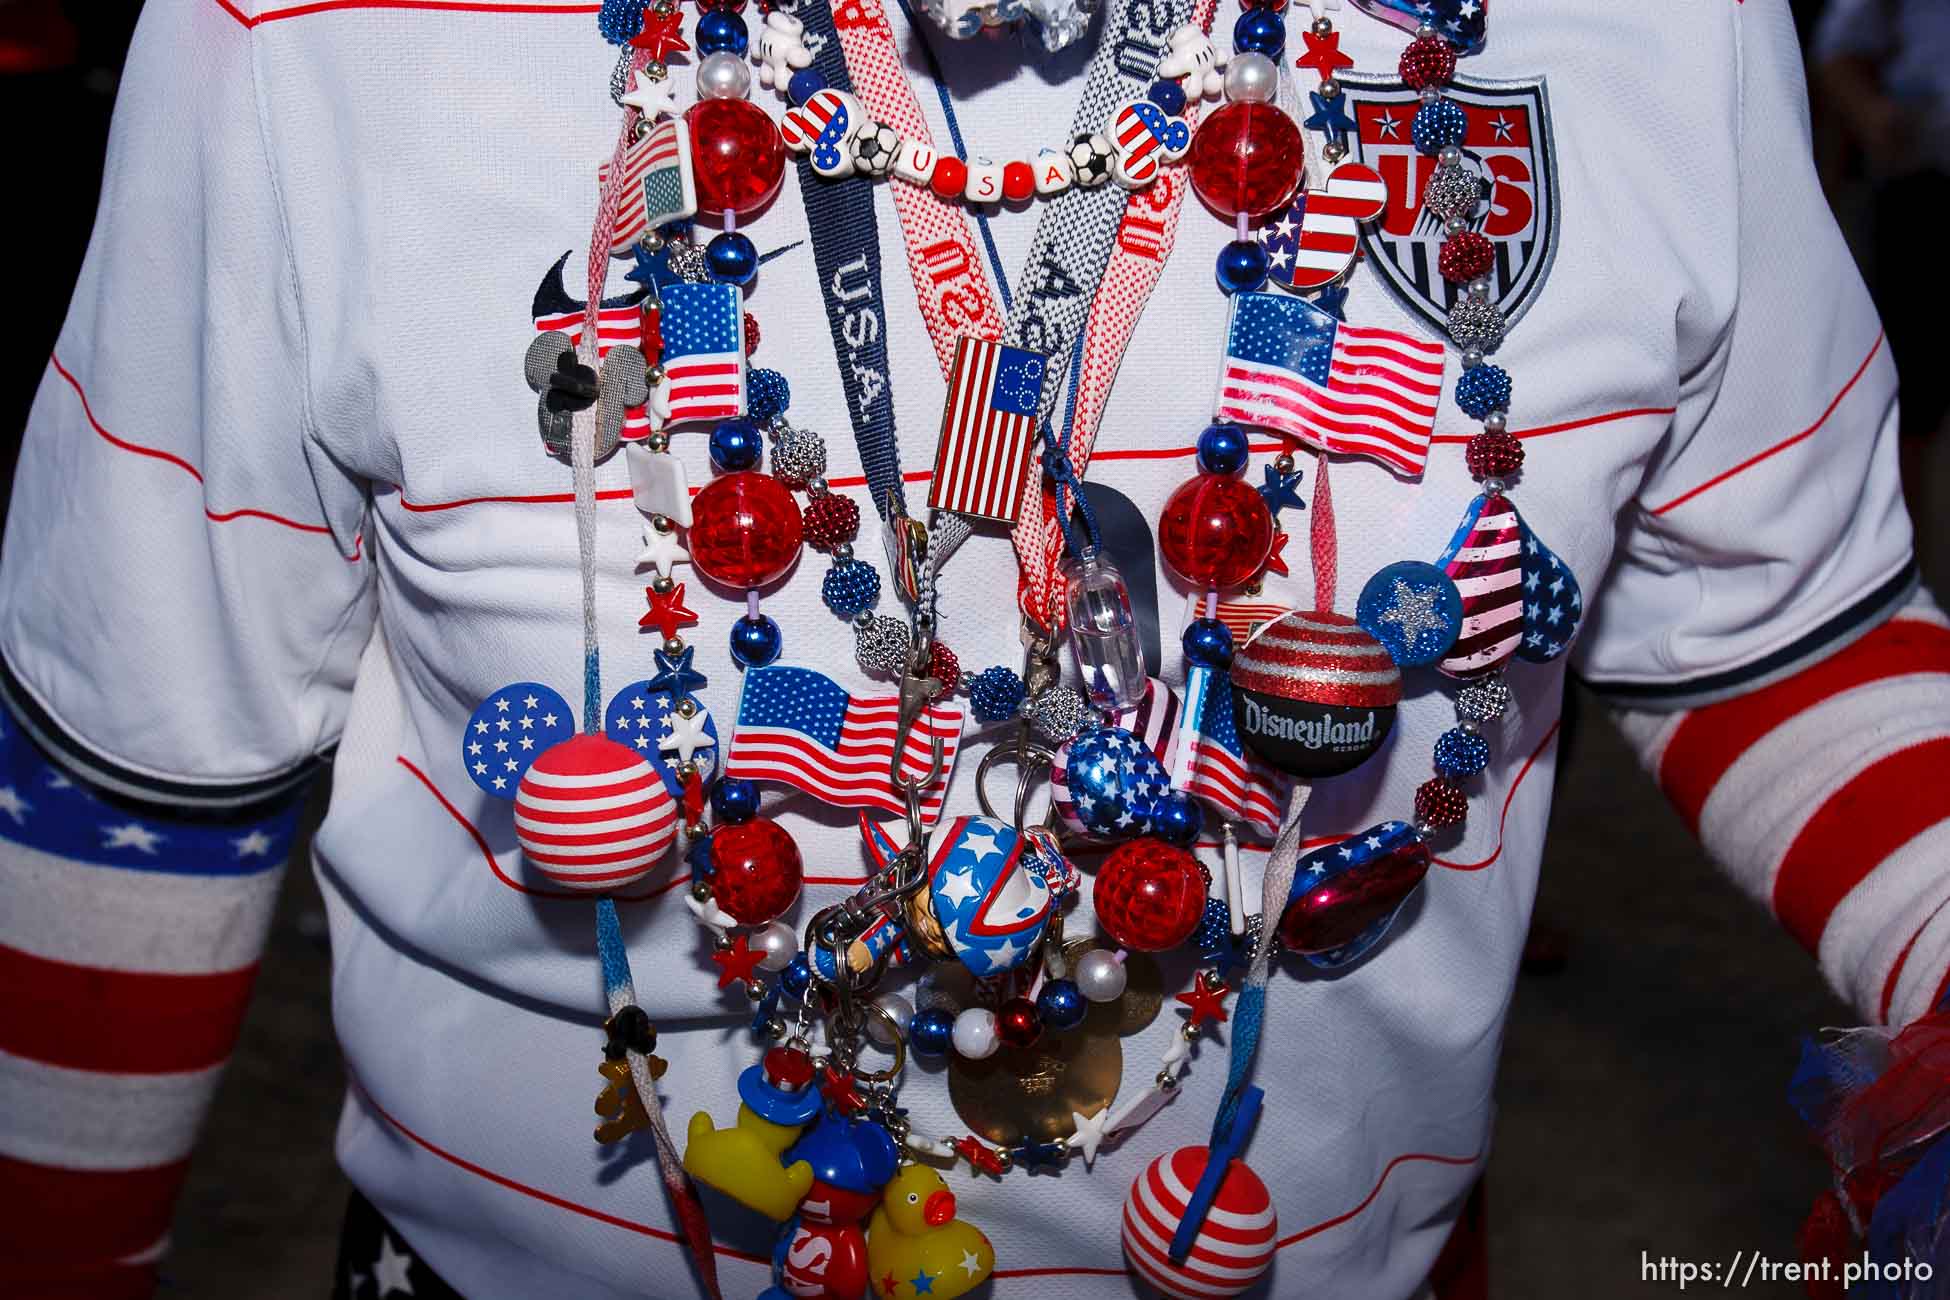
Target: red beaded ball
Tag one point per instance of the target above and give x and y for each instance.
(1428, 61)
(1216, 531)
(1440, 803)
(1018, 181)
(745, 529)
(755, 870)
(944, 667)
(751, 333)
(831, 519)
(1017, 1023)
(950, 175)
(1465, 256)
(1247, 157)
(1149, 895)
(736, 153)
(1493, 455)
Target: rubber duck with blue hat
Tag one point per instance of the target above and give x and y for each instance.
(745, 1161)
(822, 1254)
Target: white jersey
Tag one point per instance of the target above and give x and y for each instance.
(283, 492)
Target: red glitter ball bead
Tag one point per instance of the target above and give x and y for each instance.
(1493, 455)
(1247, 157)
(1216, 531)
(1465, 256)
(755, 870)
(1017, 1023)
(737, 154)
(950, 175)
(1018, 181)
(751, 333)
(745, 529)
(1428, 61)
(830, 520)
(944, 668)
(1440, 803)
(1149, 895)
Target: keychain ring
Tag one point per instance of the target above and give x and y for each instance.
(1022, 753)
(899, 1047)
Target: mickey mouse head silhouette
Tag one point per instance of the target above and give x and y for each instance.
(567, 385)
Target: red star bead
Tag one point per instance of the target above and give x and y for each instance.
(1205, 1000)
(979, 1157)
(667, 611)
(1276, 558)
(662, 34)
(737, 961)
(840, 1091)
(1323, 54)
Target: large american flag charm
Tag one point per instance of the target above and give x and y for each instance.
(994, 392)
(704, 353)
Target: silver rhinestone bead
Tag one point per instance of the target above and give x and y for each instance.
(1485, 701)
(798, 457)
(881, 646)
(1496, 422)
(723, 76)
(1056, 714)
(687, 261)
(1476, 324)
(1452, 191)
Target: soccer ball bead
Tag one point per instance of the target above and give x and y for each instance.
(875, 147)
(1090, 155)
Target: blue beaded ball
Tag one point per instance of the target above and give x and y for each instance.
(619, 20)
(1461, 753)
(734, 800)
(1222, 449)
(1243, 266)
(796, 978)
(1208, 641)
(755, 641)
(1260, 31)
(767, 394)
(1213, 937)
(850, 587)
(1062, 1005)
(731, 256)
(720, 30)
(804, 85)
(1439, 125)
(1168, 95)
(1177, 819)
(736, 444)
(1482, 390)
(995, 694)
(931, 1032)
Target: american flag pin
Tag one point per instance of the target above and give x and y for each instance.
(994, 394)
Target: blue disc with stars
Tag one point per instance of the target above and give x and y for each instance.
(647, 720)
(509, 731)
(1414, 610)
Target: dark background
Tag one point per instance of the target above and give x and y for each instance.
(1643, 1089)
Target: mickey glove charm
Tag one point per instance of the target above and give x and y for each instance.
(566, 386)
(781, 50)
(1193, 57)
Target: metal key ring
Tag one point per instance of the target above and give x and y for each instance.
(899, 1047)
(1027, 755)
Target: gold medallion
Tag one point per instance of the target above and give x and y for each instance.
(1027, 1093)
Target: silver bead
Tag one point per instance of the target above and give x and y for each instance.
(817, 487)
(1476, 324)
(843, 552)
(1472, 358)
(1454, 226)
(653, 241)
(1451, 155)
(1323, 25)
(1479, 288)
(1057, 713)
(674, 646)
(1496, 422)
(701, 890)
(1284, 462)
(1453, 191)
(653, 376)
(776, 1029)
(1333, 151)
(881, 646)
(1329, 88)
(723, 76)
(1252, 78)
(778, 943)
(1166, 1081)
(798, 457)
(1486, 701)
(658, 441)
(1425, 31)
(898, 1010)
(1430, 94)
(1101, 976)
(1493, 485)
(1189, 1032)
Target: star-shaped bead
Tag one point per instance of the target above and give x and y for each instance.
(1323, 54)
(662, 35)
(1032, 1156)
(676, 675)
(654, 99)
(736, 962)
(662, 551)
(1205, 1000)
(982, 1159)
(1276, 557)
(1090, 1133)
(1281, 490)
(667, 611)
(839, 1089)
(1330, 115)
(1333, 301)
(687, 735)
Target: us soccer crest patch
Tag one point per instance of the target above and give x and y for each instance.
(1508, 146)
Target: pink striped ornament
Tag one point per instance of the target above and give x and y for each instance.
(1233, 1248)
(593, 815)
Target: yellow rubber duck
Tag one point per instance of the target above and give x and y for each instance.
(745, 1161)
(917, 1247)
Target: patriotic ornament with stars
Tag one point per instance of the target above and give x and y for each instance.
(1553, 604)
(1414, 610)
(647, 720)
(990, 904)
(511, 729)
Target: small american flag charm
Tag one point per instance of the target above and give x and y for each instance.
(994, 392)
(658, 185)
(703, 354)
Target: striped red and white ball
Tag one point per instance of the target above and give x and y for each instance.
(1234, 1245)
(1314, 694)
(593, 815)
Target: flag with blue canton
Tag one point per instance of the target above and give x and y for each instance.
(1460, 22)
(1208, 762)
(509, 731)
(994, 392)
(1553, 606)
(703, 328)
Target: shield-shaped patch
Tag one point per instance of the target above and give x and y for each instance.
(1508, 145)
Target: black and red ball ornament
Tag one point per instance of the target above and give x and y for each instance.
(1314, 694)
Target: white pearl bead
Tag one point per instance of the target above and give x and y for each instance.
(975, 1034)
(723, 76)
(899, 1010)
(1252, 77)
(779, 944)
(1101, 976)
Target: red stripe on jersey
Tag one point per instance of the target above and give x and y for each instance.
(1870, 817)
(118, 1022)
(1710, 740)
(80, 1218)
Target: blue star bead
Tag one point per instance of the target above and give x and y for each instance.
(1281, 490)
(652, 270)
(675, 674)
(1333, 301)
(1032, 1156)
(1329, 115)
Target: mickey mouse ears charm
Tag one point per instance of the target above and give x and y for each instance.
(566, 385)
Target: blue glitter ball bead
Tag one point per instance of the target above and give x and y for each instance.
(1208, 641)
(619, 20)
(755, 641)
(1260, 31)
(734, 800)
(804, 85)
(1222, 449)
(721, 31)
(1062, 1005)
(1439, 125)
(1482, 390)
(850, 587)
(767, 394)
(1461, 753)
(1243, 266)
(1168, 95)
(736, 444)
(931, 1032)
(731, 257)
(796, 978)
(995, 694)
(1177, 819)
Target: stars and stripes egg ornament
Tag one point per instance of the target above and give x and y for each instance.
(1314, 694)
(1235, 1245)
(592, 815)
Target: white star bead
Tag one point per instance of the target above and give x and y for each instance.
(1090, 1134)
(687, 735)
(661, 551)
(654, 99)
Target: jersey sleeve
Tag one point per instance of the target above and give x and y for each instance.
(182, 591)
(1768, 529)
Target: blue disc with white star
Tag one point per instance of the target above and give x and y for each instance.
(1414, 610)
(509, 731)
(648, 722)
